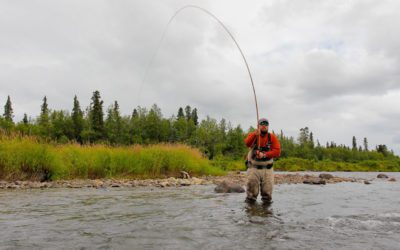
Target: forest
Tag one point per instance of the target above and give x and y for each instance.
(217, 140)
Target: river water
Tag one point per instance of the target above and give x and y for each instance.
(333, 216)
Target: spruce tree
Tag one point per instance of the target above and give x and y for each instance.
(194, 117)
(44, 121)
(354, 143)
(365, 144)
(96, 116)
(25, 119)
(8, 111)
(77, 120)
(44, 113)
(311, 140)
(188, 112)
(180, 113)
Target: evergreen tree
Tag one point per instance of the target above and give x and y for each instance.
(188, 112)
(135, 113)
(44, 113)
(365, 144)
(304, 136)
(382, 148)
(8, 111)
(96, 116)
(25, 119)
(354, 143)
(77, 120)
(136, 125)
(194, 117)
(44, 122)
(180, 113)
(311, 140)
(113, 124)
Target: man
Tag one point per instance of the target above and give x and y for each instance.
(264, 148)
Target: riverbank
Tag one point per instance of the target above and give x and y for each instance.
(233, 177)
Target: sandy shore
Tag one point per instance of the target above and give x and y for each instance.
(235, 177)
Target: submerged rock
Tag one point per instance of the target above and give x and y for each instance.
(229, 187)
(367, 182)
(392, 179)
(315, 181)
(382, 176)
(326, 176)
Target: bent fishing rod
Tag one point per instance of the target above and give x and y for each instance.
(227, 31)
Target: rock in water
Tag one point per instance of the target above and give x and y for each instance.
(326, 176)
(382, 176)
(367, 182)
(229, 187)
(315, 181)
(392, 179)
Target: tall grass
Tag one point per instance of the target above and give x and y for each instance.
(24, 158)
(299, 164)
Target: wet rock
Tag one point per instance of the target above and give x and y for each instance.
(315, 181)
(184, 182)
(392, 179)
(197, 181)
(164, 184)
(326, 176)
(46, 185)
(185, 175)
(73, 185)
(367, 182)
(97, 183)
(229, 187)
(382, 176)
(115, 185)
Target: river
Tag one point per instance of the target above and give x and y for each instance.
(333, 216)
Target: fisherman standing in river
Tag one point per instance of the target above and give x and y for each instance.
(264, 148)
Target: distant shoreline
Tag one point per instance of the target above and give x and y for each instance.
(234, 176)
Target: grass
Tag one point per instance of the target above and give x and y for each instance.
(30, 159)
(293, 164)
(25, 158)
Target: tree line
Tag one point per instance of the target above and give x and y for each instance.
(149, 126)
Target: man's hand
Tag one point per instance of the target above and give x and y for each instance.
(257, 132)
(260, 154)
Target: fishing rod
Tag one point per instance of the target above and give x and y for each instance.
(229, 33)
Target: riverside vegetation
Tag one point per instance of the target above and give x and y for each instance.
(90, 144)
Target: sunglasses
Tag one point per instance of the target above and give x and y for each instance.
(264, 123)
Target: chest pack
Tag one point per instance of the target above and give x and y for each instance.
(265, 148)
(252, 160)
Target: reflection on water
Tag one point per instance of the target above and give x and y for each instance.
(339, 216)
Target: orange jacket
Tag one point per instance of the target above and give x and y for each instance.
(275, 146)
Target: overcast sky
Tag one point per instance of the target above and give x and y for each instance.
(330, 65)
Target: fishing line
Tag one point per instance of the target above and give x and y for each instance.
(225, 28)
